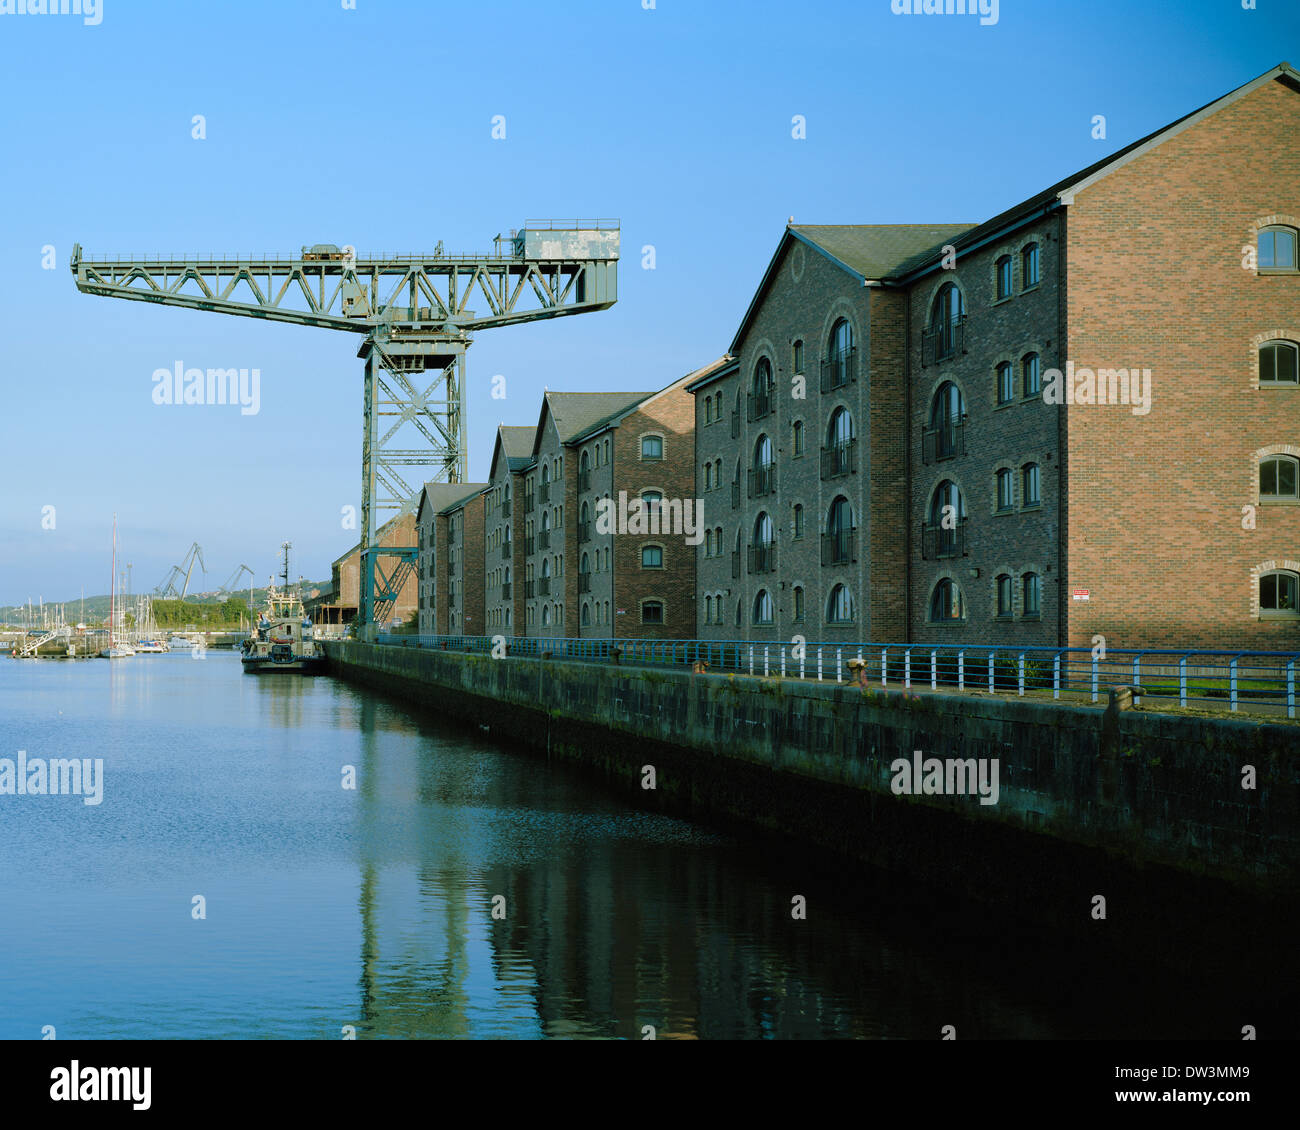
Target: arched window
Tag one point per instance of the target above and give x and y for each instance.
(762, 553)
(946, 531)
(796, 522)
(947, 411)
(947, 317)
(837, 542)
(1279, 363)
(1279, 478)
(1006, 383)
(1003, 273)
(546, 615)
(1032, 594)
(652, 448)
(1277, 249)
(839, 606)
(586, 614)
(1006, 489)
(796, 437)
(763, 607)
(652, 557)
(708, 409)
(708, 476)
(546, 568)
(761, 475)
(708, 543)
(1279, 594)
(760, 400)
(1029, 266)
(584, 565)
(738, 612)
(798, 603)
(1006, 604)
(652, 612)
(1031, 492)
(797, 350)
(838, 370)
(840, 429)
(1031, 375)
(946, 603)
(584, 464)
(708, 609)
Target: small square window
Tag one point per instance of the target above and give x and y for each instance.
(652, 448)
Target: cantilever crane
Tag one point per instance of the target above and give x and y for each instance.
(414, 311)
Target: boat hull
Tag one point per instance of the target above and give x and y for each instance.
(295, 665)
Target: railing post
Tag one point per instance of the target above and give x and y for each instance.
(907, 669)
(1290, 689)
(1137, 679)
(961, 670)
(819, 665)
(751, 658)
(839, 665)
(1056, 675)
(1232, 682)
(765, 670)
(1096, 675)
(1022, 674)
(991, 655)
(783, 661)
(803, 658)
(1182, 681)
(934, 670)
(884, 666)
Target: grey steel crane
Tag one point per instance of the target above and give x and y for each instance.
(414, 312)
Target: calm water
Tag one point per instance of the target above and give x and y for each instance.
(328, 907)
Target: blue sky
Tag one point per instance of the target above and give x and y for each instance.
(373, 127)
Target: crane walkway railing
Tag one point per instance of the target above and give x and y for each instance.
(1235, 680)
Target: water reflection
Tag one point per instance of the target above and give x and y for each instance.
(374, 907)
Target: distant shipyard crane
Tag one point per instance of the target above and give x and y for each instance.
(414, 312)
(238, 575)
(167, 586)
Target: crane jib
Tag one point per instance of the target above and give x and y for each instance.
(417, 312)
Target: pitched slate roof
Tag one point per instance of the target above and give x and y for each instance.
(447, 496)
(578, 412)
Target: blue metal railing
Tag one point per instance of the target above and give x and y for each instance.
(1261, 680)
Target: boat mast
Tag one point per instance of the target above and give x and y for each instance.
(112, 590)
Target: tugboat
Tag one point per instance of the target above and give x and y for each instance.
(282, 639)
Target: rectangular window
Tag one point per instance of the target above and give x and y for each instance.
(652, 557)
(798, 357)
(798, 522)
(1033, 375)
(652, 612)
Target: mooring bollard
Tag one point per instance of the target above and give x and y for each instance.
(700, 668)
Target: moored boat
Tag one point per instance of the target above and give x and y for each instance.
(283, 638)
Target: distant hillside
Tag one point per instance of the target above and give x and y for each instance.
(198, 607)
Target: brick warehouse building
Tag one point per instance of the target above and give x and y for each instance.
(449, 522)
(951, 496)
